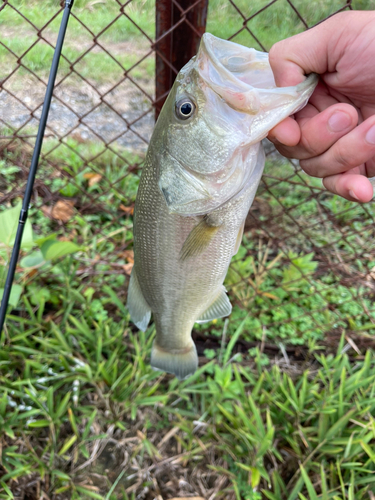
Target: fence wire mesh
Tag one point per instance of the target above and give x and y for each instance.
(304, 272)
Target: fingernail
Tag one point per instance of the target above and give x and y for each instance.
(351, 193)
(370, 136)
(339, 121)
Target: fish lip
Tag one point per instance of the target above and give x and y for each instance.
(218, 76)
(208, 45)
(248, 97)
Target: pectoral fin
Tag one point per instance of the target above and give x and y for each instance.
(219, 308)
(139, 310)
(198, 239)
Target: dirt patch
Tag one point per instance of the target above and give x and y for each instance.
(117, 112)
(121, 115)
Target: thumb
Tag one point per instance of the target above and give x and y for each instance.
(308, 52)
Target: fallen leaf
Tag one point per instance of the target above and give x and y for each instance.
(269, 295)
(93, 178)
(140, 435)
(127, 210)
(31, 273)
(128, 255)
(128, 268)
(62, 210)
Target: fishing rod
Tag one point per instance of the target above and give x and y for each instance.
(34, 162)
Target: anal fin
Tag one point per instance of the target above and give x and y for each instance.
(219, 308)
(198, 239)
(138, 308)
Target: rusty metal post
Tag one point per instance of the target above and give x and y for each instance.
(180, 25)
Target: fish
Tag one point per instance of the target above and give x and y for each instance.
(202, 169)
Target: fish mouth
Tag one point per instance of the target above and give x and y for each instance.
(243, 78)
(233, 71)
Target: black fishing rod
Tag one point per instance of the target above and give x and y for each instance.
(34, 163)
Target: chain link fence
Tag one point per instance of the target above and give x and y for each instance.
(304, 273)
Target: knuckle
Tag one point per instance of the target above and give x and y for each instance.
(276, 51)
(310, 147)
(273, 53)
(308, 167)
(285, 151)
(343, 157)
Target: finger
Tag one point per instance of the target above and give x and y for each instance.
(321, 98)
(370, 167)
(368, 110)
(308, 52)
(317, 133)
(351, 150)
(353, 187)
(287, 133)
(338, 96)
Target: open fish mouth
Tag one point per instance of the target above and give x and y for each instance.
(243, 78)
(237, 102)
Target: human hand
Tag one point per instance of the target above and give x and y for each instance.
(334, 135)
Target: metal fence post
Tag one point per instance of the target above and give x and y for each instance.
(179, 27)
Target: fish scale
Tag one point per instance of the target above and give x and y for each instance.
(199, 180)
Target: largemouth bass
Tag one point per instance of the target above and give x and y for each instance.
(201, 173)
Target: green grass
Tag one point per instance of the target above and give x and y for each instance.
(97, 16)
(74, 370)
(92, 67)
(70, 382)
(123, 39)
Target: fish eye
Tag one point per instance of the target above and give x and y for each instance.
(184, 108)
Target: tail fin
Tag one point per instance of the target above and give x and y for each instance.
(181, 363)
